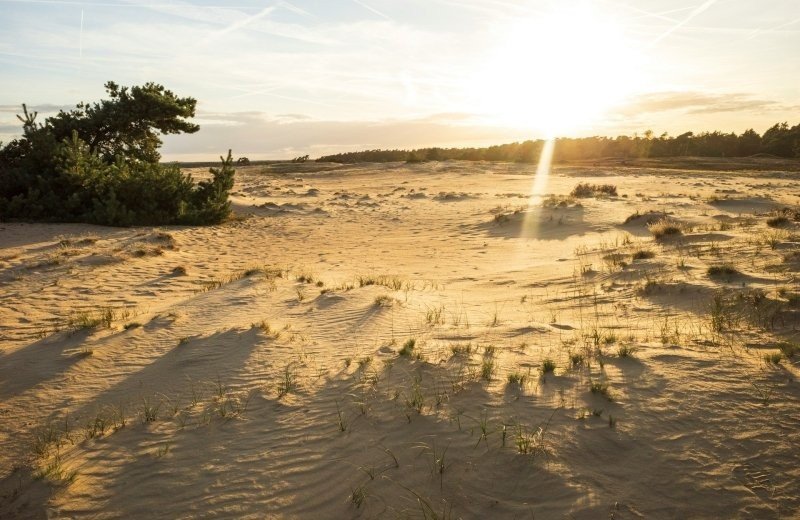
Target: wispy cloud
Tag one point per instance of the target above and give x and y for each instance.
(698, 103)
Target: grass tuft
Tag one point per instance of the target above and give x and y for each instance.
(664, 228)
(408, 347)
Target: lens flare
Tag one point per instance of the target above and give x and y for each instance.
(538, 188)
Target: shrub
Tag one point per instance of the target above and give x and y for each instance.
(643, 254)
(100, 164)
(778, 221)
(722, 270)
(584, 190)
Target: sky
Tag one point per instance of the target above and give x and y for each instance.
(282, 78)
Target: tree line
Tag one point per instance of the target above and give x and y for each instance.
(780, 140)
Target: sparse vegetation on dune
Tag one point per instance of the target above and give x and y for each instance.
(401, 394)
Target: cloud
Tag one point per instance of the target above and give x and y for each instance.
(698, 103)
(44, 108)
(294, 117)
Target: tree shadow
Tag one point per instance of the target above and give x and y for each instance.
(39, 361)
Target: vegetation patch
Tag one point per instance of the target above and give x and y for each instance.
(643, 254)
(722, 270)
(99, 163)
(584, 190)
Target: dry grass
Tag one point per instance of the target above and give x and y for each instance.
(665, 228)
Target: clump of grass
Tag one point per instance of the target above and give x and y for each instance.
(267, 329)
(342, 422)
(416, 399)
(773, 358)
(408, 347)
(149, 411)
(288, 382)
(49, 437)
(576, 359)
(560, 201)
(722, 270)
(778, 221)
(87, 321)
(54, 472)
(461, 349)
(179, 271)
(132, 325)
(487, 369)
(664, 228)
(585, 189)
(384, 300)
(643, 254)
(548, 365)
(626, 351)
(517, 378)
(435, 315)
(390, 282)
(306, 277)
(529, 443)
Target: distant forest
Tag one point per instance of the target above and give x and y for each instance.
(780, 140)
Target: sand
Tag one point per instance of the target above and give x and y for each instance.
(254, 369)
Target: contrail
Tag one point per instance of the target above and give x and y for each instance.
(293, 8)
(371, 9)
(133, 6)
(758, 31)
(683, 22)
(241, 23)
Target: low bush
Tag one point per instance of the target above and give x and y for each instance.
(584, 190)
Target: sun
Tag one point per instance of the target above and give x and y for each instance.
(557, 72)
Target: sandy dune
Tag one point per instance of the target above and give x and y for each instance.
(376, 341)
